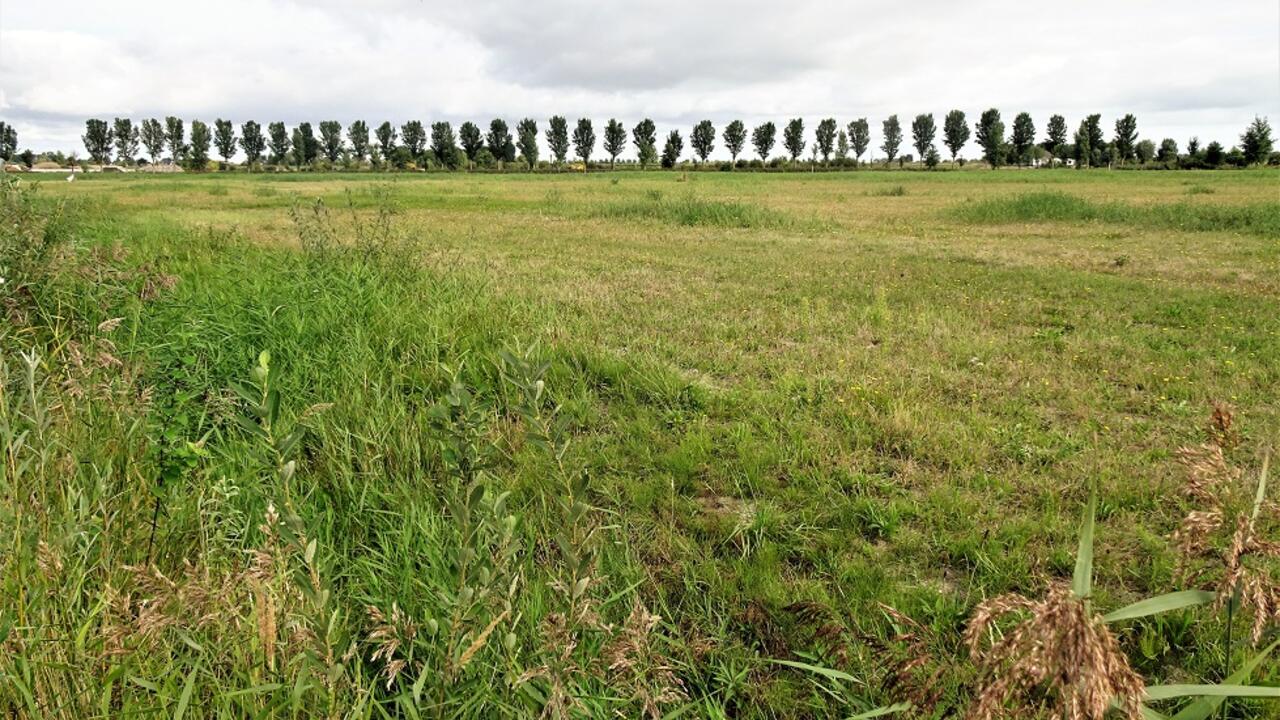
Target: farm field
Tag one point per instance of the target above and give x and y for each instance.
(735, 418)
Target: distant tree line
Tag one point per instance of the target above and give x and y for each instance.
(413, 146)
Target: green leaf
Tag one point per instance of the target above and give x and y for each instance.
(185, 699)
(816, 669)
(1204, 707)
(1160, 604)
(1082, 579)
(1166, 692)
(250, 426)
(882, 711)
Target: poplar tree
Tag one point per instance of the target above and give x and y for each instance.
(527, 141)
(990, 135)
(645, 137)
(558, 138)
(615, 140)
(793, 138)
(859, 138)
(892, 130)
(703, 139)
(763, 138)
(252, 142)
(955, 132)
(923, 130)
(224, 138)
(735, 138)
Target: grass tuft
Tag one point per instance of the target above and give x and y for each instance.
(690, 210)
(1261, 219)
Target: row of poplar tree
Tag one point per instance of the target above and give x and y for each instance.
(413, 145)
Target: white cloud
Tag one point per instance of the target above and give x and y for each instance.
(1182, 68)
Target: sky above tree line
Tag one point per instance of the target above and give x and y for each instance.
(1182, 67)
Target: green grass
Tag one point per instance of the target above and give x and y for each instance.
(687, 209)
(757, 405)
(1262, 219)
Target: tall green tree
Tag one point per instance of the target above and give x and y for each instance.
(386, 134)
(645, 137)
(306, 148)
(892, 131)
(1126, 139)
(735, 138)
(498, 140)
(842, 146)
(990, 136)
(252, 142)
(859, 138)
(444, 145)
(97, 140)
(558, 138)
(1084, 147)
(175, 133)
(703, 139)
(126, 139)
(358, 136)
(1193, 147)
(1168, 152)
(615, 140)
(153, 139)
(1145, 150)
(1256, 142)
(414, 137)
(527, 141)
(1213, 154)
(825, 136)
(955, 132)
(793, 138)
(279, 143)
(224, 138)
(923, 130)
(1055, 138)
(763, 138)
(584, 141)
(1023, 137)
(671, 149)
(470, 140)
(331, 139)
(1097, 144)
(198, 156)
(8, 142)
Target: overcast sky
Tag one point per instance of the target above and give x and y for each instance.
(1183, 67)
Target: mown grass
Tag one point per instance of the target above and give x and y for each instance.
(1262, 219)
(760, 437)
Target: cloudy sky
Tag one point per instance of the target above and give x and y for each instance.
(1183, 67)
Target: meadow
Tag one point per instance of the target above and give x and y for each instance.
(612, 444)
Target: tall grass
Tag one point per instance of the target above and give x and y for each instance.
(329, 481)
(690, 210)
(201, 527)
(1262, 219)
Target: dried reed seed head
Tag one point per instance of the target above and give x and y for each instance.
(1193, 536)
(1059, 649)
(1246, 574)
(388, 635)
(1222, 427)
(1209, 475)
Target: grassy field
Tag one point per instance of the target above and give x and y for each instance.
(814, 418)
